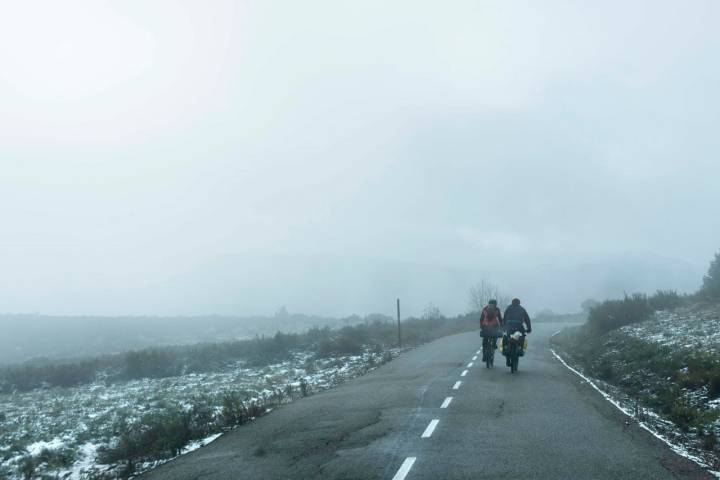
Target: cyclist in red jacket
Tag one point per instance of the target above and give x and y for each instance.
(490, 321)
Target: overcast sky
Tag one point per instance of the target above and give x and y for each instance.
(140, 141)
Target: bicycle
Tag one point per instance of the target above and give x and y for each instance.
(488, 351)
(489, 334)
(513, 349)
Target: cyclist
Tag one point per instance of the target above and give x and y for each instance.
(516, 319)
(490, 321)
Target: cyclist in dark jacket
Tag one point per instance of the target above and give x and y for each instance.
(516, 319)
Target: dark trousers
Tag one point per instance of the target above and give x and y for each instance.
(490, 341)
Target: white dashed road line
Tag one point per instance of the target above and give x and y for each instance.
(430, 428)
(410, 461)
(404, 468)
(478, 352)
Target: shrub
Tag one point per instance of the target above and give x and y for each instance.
(57, 458)
(157, 435)
(349, 344)
(151, 363)
(709, 441)
(27, 467)
(665, 300)
(612, 314)
(683, 415)
(714, 387)
(309, 366)
(605, 371)
(343, 344)
(234, 411)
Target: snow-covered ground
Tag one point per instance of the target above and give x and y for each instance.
(59, 432)
(686, 328)
(685, 333)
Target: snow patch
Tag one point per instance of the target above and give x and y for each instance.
(36, 448)
(192, 446)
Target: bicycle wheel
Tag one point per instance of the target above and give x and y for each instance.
(485, 350)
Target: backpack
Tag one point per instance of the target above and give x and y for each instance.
(489, 317)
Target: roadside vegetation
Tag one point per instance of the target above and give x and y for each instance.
(662, 354)
(114, 416)
(163, 362)
(115, 430)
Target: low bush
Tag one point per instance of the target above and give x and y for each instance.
(665, 300)
(57, 458)
(27, 467)
(714, 385)
(157, 435)
(612, 314)
(163, 434)
(709, 441)
(682, 414)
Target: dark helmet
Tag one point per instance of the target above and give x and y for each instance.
(516, 301)
(492, 302)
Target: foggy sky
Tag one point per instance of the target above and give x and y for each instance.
(141, 142)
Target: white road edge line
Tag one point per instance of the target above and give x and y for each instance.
(404, 468)
(430, 428)
(470, 365)
(457, 385)
(464, 372)
(675, 448)
(446, 402)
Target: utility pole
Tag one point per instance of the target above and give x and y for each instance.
(399, 331)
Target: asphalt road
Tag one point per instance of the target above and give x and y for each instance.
(543, 422)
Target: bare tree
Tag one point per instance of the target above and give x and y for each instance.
(482, 292)
(431, 312)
